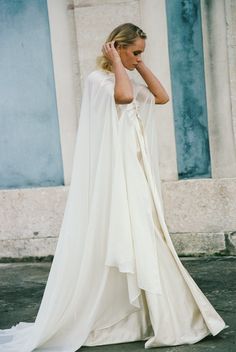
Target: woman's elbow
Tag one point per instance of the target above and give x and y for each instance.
(123, 99)
(163, 100)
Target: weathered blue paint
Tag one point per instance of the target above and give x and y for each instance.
(30, 151)
(188, 88)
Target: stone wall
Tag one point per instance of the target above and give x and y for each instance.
(199, 215)
(30, 148)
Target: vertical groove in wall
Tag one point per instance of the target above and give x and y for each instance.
(188, 88)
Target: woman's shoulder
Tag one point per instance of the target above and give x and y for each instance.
(100, 75)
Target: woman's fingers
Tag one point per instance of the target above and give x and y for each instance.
(106, 49)
(109, 46)
(110, 51)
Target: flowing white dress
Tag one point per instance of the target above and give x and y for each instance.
(115, 276)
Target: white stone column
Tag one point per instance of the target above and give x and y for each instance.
(217, 75)
(64, 80)
(230, 8)
(154, 22)
(94, 20)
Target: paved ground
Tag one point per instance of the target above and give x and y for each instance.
(22, 285)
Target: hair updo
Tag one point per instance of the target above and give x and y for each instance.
(123, 35)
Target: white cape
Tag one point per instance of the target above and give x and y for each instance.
(115, 276)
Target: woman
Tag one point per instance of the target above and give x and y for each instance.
(116, 276)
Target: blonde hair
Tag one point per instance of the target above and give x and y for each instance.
(123, 35)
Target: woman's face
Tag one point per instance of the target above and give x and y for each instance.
(131, 55)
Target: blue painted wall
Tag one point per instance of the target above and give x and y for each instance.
(30, 152)
(188, 88)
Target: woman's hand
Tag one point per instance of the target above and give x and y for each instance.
(139, 66)
(111, 53)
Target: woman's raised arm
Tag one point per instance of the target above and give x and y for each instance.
(153, 83)
(123, 91)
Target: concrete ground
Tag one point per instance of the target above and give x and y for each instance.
(22, 286)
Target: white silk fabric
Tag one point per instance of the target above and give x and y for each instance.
(116, 276)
